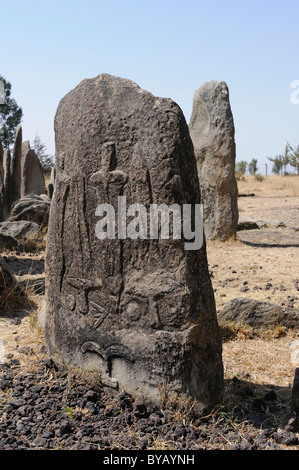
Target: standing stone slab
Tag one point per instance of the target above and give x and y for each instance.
(141, 312)
(213, 135)
(2, 196)
(6, 183)
(16, 167)
(33, 181)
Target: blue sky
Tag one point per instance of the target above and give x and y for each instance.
(169, 48)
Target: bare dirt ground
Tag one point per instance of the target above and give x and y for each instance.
(261, 264)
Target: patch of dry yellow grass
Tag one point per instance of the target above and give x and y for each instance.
(272, 185)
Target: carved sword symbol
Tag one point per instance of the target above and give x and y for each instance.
(107, 175)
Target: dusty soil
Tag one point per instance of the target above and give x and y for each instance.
(44, 408)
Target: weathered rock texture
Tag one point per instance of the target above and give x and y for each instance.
(33, 181)
(213, 135)
(141, 312)
(1, 183)
(16, 167)
(32, 208)
(21, 174)
(5, 193)
(295, 392)
(259, 315)
(19, 229)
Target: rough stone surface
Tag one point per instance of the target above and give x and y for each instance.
(140, 311)
(16, 167)
(295, 392)
(50, 191)
(259, 315)
(33, 181)
(247, 223)
(44, 409)
(53, 175)
(213, 135)
(19, 229)
(32, 208)
(21, 174)
(1, 183)
(6, 183)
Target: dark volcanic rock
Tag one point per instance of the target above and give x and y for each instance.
(33, 181)
(140, 310)
(32, 208)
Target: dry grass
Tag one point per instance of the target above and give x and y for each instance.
(272, 185)
(36, 243)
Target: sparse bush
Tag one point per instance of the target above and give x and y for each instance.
(240, 175)
(259, 177)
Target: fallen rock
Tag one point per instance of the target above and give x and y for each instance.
(259, 315)
(19, 229)
(246, 195)
(247, 223)
(32, 208)
(275, 223)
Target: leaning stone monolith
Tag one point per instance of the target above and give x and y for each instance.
(139, 311)
(213, 135)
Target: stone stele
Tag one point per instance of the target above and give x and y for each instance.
(33, 181)
(140, 312)
(213, 135)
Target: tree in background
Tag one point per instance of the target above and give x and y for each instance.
(47, 161)
(10, 116)
(240, 170)
(286, 159)
(277, 167)
(252, 167)
(281, 162)
(241, 167)
(294, 157)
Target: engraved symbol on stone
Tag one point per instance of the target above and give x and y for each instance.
(81, 302)
(109, 175)
(113, 351)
